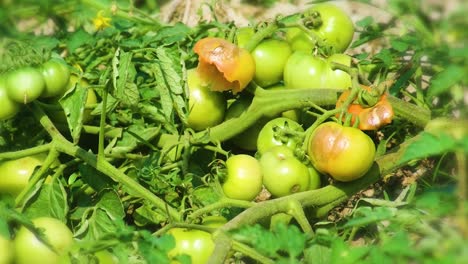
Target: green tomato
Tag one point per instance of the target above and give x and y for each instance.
(56, 75)
(336, 30)
(270, 56)
(272, 134)
(29, 249)
(345, 153)
(6, 250)
(9, 107)
(304, 70)
(206, 107)
(314, 180)
(244, 177)
(105, 257)
(15, 174)
(283, 173)
(243, 35)
(247, 139)
(25, 85)
(195, 243)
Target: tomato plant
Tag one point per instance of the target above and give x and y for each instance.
(25, 84)
(243, 178)
(314, 179)
(345, 153)
(270, 58)
(29, 248)
(333, 26)
(9, 107)
(224, 65)
(279, 131)
(195, 243)
(283, 173)
(304, 70)
(56, 75)
(206, 107)
(15, 174)
(6, 250)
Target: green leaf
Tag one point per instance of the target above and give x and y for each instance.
(78, 39)
(366, 215)
(317, 254)
(172, 34)
(134, 136)
(445, 79)
(399, 45)
(51, 200)
(111, 204)
(124, 73)
(365, 22)
(428, 145)
(73, 104)
(147, 214)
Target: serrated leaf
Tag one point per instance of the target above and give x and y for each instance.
(134, 136)
(290, 238)
(73, 104)
(110, 202)
(146, 214)
(94, 178)
(171, 34)
(444, 80)
(318, 254)
(78, 39)
(428, 145)
(124, 73)
(51, 201)
(365, 215)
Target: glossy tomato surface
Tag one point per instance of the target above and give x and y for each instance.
(244, 177)
(56, 75)
(195, 243)
(25, 84)
(270, 57)
(275, 133)
(9, 107)
(344, 153)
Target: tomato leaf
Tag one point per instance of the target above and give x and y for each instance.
(73, 104)
(79, 38)
(134, 136)
(429, 144)
(445, 79)
(124, 74)
(171, 34)
(51, 200)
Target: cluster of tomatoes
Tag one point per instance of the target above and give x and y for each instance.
(26, 84)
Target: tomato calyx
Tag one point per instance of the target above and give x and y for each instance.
(371, 108)
(224, 65)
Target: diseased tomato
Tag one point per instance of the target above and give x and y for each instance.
(25, 84)
(30, 249)
(223, 65)
(9, 108)
(56, 75)
(335, 29)
(304, 70)
(206, 107)
(344, 153)
(283, 173)
(244, 177)
(270, 57)
(195, 243)
(275, 133)
(370, 118)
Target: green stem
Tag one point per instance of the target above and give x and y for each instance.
(26, 152)
(460, 156)
(417, 115)
(250, 252)
(222, 203)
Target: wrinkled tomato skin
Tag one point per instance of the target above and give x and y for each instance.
(344, 153)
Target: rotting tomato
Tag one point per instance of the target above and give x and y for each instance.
(370, 118)
(56, 75)
(244, 177)
(206, 107)
(283, 173)
(15, 174)
(197, 244)
(25, 84)
(9, 107)
(335, 28)
(344, 153)
(223, 65)
(270, 57)
(279, 131)
(304, 70)
(30, 249)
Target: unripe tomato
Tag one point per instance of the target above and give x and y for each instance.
(25, 85)
(6, 250)
(336, 30)
(29, 249)
(206, 107)
(272, 134)
(314, 179)
(283, 173)
(244, 177)
(15, 174)
(270, 57)
(56, 75)
(195, 243)
(9, 108)
(345, 153)
(243, 35)
(304, 70)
